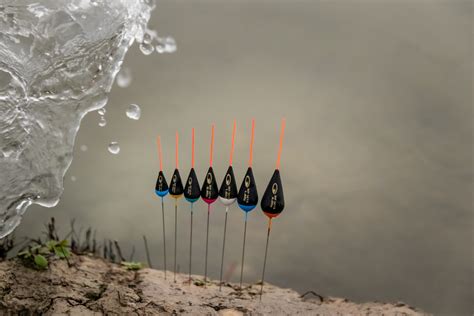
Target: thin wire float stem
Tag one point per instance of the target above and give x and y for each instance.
(223, 248)
(164, 233)
(243, 252)
(265, 258)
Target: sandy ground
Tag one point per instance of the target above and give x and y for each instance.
(92, 286)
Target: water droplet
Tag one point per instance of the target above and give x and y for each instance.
(160, 49)
(124, 77)
(170, 44)
(133, 112)
(73, 178)
(102, 121)
(101, 111)
(94, 2)
(147, 38)
(146, 49)
(84, 148)
(114, 148)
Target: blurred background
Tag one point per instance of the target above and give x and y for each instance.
(377, 158)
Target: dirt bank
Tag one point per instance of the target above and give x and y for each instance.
(93, 286)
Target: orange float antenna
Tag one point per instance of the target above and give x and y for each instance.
(233, 144)
(212, 146)
(177, 150)
(282, 134)
(160, 156)
(192, 150)
(251, 143)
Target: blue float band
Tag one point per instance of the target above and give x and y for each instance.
(247, 208)
(161, 193)
(191, 200)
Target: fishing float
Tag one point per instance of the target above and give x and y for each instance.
(192, 193)
(227, 196)
(161, 189)
(273, 201)
(176, 191)
(247, 198)
(209, 194)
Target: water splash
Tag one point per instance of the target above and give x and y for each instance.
(133, 112)
(114, 148)
(58, 61)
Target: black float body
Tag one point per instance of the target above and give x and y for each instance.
(192, 190)
(247, 197)
(176, 185)
(161, 187)
(273, 200)
(228, 190)
(209, 191)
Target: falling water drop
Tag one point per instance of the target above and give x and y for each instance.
(170, 44)
(133, 112)
(84, 148)
(147, 38)
(101, 111)
(160, 48)
(124, 77)
(102, 121)
(146, 49)
(73, 178)
(114, 148)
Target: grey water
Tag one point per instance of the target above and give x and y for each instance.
(377, 158)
